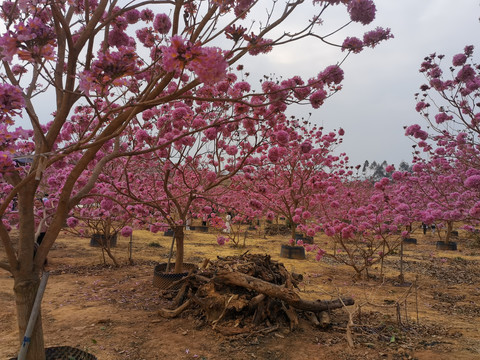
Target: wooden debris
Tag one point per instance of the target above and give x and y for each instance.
(239, 294)
(174, 313)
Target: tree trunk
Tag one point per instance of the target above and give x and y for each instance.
(110, 255)
(293, 230)
(25, 291)
(179, 237)
(449, 231)
(280, 292)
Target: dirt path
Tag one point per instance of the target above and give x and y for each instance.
(112, 312)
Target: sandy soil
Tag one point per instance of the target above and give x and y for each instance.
(112, 312)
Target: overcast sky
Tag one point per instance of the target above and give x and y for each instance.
(378, 95)
(377, 99)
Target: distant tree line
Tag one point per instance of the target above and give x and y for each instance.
(375, 171)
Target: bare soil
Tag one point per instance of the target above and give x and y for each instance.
(113, 312)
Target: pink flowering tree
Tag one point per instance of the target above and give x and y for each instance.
(291, 173)
(437, 192)
(365, 221)
(237, 213)
(103, 216)
(447, 167)
(90, 68)
(187, 178)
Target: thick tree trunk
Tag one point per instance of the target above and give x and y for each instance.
(179, 237)
(25, 291)
(293, 230)
(449, 231)
(110, 255)
(279, 292)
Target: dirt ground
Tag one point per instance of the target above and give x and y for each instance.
(113, 312)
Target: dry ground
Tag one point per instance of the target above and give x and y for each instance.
(112, 312)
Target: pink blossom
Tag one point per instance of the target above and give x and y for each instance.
(282, 137)
(330, 231)
(390, 168)
(207, 210)
(306, 215)
(242, 86)
(11, 100)
(373, 37)
(331, 190)
(352, 44)
(146, 37)
(468, 50)
(211, 176)
(475, 210)
(221, 240)
(397, 175)
(466, 73)
(255, 204)
(210, 66)
(259, 46)
(162, 23)
(132, 16)
(106, 204)
(347, 233)
(296, 219)
(118, 38)
(198, 122)
(72, 222)
(147, 15)
(459, 60)
(420, 106)
(141, 136)
(176, 55)
(210, 133)
(412, 129)
(317, 98)
(472, 182)
(18, 69)
(362, 11)
(270, 215)
(442, 117)
(231, 150)
(179, 113)
(273, 154)
(306, 147)
(126, 231)
(332, 74)
(320, 254)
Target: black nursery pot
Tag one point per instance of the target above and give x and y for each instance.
(164, 280)
(98, 240)
(66, 353)
(202, 228)
(305, 239)
(169, 232)
(442, 245)
(292, 252)
(410, 241)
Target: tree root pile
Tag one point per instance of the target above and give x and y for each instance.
(242, 294)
